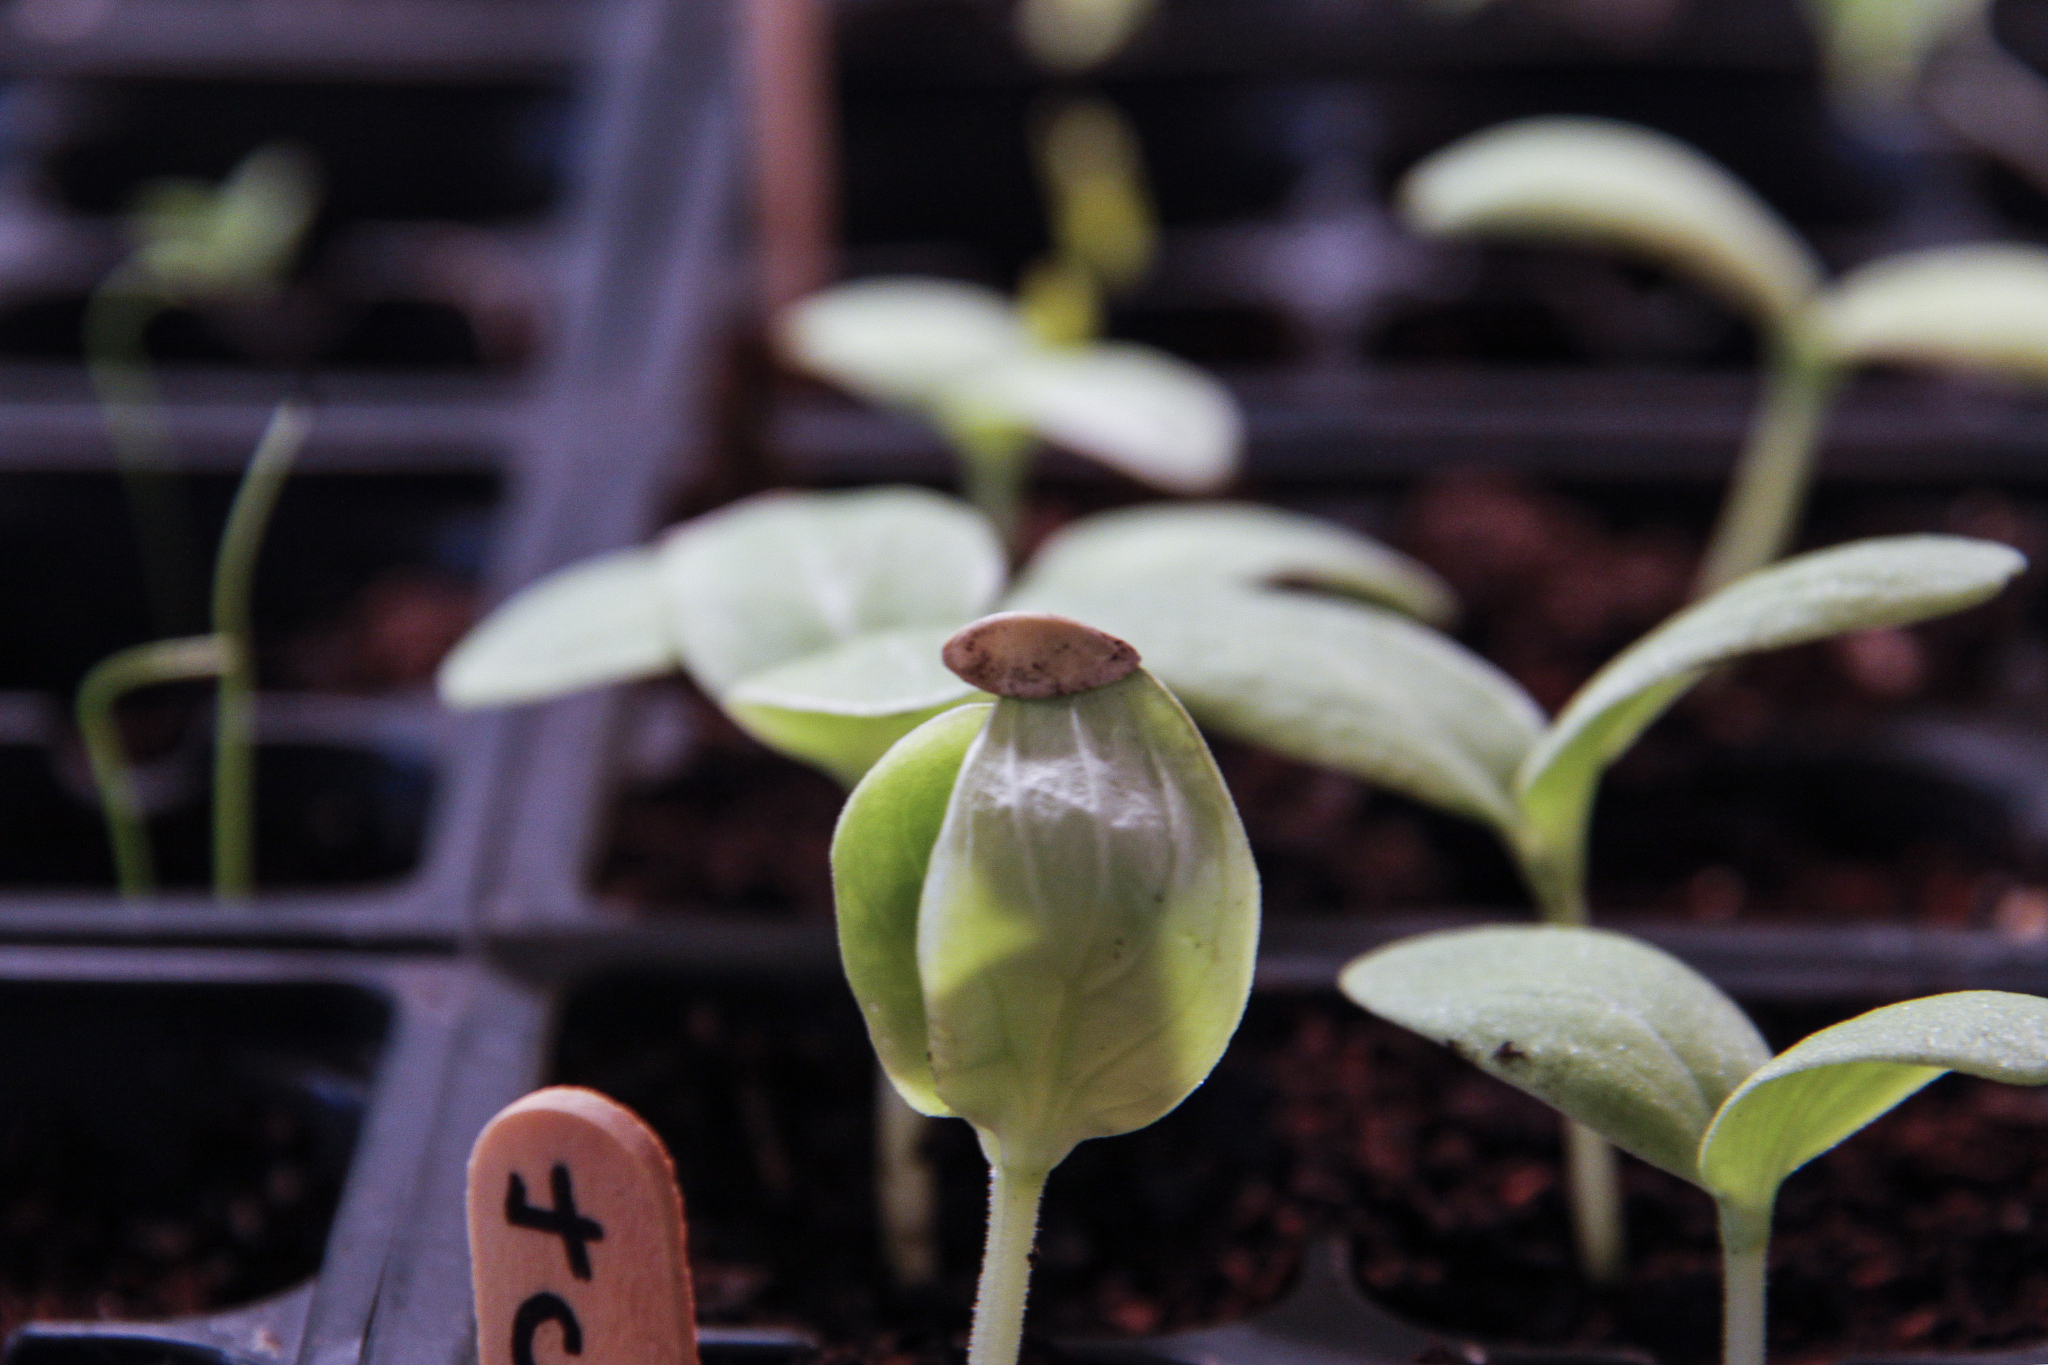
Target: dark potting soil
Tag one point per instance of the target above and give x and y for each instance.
(172, 1150)
(1928, 1230)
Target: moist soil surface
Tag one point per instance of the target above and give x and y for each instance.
(1929, 1230)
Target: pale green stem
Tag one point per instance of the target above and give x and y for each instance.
(1006, 1265)
(161, 661)
(1745, 1245)
(995, 467)
(234, 739)
(906, 1194)
(1593, 1179)
(1768, 493)
(1556, 876)
(116, 318)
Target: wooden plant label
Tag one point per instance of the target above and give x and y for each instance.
(576, 1239)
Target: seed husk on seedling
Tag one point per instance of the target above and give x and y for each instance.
(1048, 913)
(1614, 185)
(1632, 1043)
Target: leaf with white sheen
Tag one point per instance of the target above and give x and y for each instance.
(1138, 410)
(1968, 307)
(1888, 581)
(1616, 185)
(841, 709)
(1089, 921)
(600, 621)
(1624, 1038)
(881, 850)
(1337, 684)
(1823, 1089)
(900, 339)
(1235, 542)
(780, 576)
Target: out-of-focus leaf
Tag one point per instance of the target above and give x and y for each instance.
(1971, 307)
(1073, 35)
(195, 239)
(777, 577)
(1158, 419)
(1102, 216)
(843, 708)
(1624, 1038)
(1234, 542)
(900, 340)
(1089, 921)
(881, 849)
(1889, 581)
(1617, 185)
(1823, 1089)
(1873, 49)
(600, 621)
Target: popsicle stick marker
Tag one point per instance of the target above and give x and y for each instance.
(576, 1237)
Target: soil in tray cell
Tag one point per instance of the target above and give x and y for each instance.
(1929, 1230)
(170, 1149)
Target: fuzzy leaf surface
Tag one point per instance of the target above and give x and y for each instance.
(780, 576)
(1967, 307)
(1822, 1089)
(1888, 581)
(1235, 542)
(1089, 921)
(1616, 185)
(1624, 1038)
(881, 850)
(1337, 684)
(841, 709)
(900, 340)
(600, 621)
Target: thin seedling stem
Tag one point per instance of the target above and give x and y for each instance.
(234, 739)
(1745, 1248)
(1593, 1180)
(1013, 1200)
(1760, 516)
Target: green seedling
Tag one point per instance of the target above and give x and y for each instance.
(969, 362)
(1070, 36)
(1049, 915)
(192, 244)
(1614, 185)
(1632, 1043)
(1103, 233)
(226, 654)
(1366, 692)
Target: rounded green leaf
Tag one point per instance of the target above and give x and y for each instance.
(1888, 581)
(881, 849)
(841, 709)
(600, 621)
(1235, 542)
(1333, 683)
(781, 576)
(1138, 410)
(1089, 921)
(1968, 307)
(900, 340)
(1826, 1087)
(1624, 1038)
(195, 239)
(1617, 185)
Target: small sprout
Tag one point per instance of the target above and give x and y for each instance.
(1632, 1043)
(196, 241)
(1094, 176)
(1073, 35)
(1614, 185)
(1037, 656)
(1048, 912)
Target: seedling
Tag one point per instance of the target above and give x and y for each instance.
(1632, 1043)
(1614, 185)
(1100, 214)
(1049, 915)
(1072, 35)
(1348, 687)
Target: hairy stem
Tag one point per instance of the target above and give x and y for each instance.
(906, 1194)
(1006, 1265)
(116, 318)
(234, 739)
(161, 661)
(1768, 492)
(1594, 1182)
(1745, 1244)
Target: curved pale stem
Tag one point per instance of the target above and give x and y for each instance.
(1013, 1201)
(234, 760)
(161, 661)
(995, 467)
(1768, 493)
(1593, 1180)
(906, 1194)
(1745, 1245)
